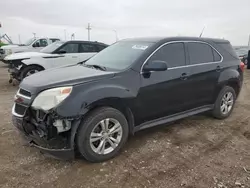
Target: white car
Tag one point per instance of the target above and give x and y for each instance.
(55, 55)
(32, 45)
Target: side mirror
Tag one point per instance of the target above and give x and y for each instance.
(36, 45)
(155, 66)
(62, 52)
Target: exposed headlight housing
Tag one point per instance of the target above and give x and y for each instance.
(51, 98)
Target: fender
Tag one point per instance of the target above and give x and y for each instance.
(82, 100)
(36, 61)
(228, 77)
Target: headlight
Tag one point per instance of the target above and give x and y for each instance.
(50, 98)
(8, 51)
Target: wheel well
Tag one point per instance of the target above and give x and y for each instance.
(118, 104)
(235, 86)
(35, 65)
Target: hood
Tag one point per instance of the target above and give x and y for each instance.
(10, 46)
(62, 76)
(25, 55)
(22, 49)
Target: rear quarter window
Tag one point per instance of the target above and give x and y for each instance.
(228, 48)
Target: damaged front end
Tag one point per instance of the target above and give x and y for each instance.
(15, 67)
(45, 130)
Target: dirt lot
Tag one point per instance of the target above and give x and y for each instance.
(196, 152)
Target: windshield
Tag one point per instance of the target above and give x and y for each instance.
(120, 55)
(52, 47)
(29, 42)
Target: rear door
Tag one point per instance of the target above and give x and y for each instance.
(205, 66)
(86, 51)
(167, 92)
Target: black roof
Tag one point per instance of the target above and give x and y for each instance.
(83, 41)
(166, 39)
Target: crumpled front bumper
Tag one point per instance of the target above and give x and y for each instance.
(14, 73)
(53, 148)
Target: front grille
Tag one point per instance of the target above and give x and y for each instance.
(19, 109)
(24, 92)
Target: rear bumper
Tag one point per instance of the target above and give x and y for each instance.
(54, 148)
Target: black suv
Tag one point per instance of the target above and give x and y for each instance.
(132, 85)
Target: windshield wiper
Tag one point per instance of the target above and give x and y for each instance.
(82, 62)
(95, 66)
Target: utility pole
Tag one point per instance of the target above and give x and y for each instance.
(89, 28)
(65, 35)
(34, 35)
(116, 35)
(19, 38)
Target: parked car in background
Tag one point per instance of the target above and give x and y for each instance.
(33, 44)
(132, 85)
(55, 55)
(242, 52)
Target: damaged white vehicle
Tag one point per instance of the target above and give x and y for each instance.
(32, 45)
(55, 55)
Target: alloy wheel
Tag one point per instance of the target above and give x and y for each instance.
(106, 136)
(227, 103)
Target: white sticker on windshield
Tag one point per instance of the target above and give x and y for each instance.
(139, 47)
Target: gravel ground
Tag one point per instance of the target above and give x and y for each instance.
(195, 152)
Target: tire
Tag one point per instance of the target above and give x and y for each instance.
(92, 125)
(30, 69)
(219, 112)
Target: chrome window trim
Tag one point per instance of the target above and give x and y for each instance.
(185, 65)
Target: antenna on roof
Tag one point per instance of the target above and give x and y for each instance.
(202, 31)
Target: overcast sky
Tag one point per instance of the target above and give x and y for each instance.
(227, 19)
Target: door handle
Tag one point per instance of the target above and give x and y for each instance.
(184, 76)
(218, 68)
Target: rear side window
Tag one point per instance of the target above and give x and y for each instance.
(100, 47)
(70, 48)
(53, 40)
(200, 53)
(173, 54)
(87, 48)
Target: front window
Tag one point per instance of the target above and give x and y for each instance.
(120, 55)
(29, 42)
(52, 47)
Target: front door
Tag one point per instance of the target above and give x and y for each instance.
(69, 55)
(167, 92)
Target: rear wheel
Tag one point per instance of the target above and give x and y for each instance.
(225, 103)
(102, 134)
(29, 70)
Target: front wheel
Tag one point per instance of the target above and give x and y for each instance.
(102, 134)
(29, 70)
(224, 103)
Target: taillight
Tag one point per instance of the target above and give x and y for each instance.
(242, 66)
